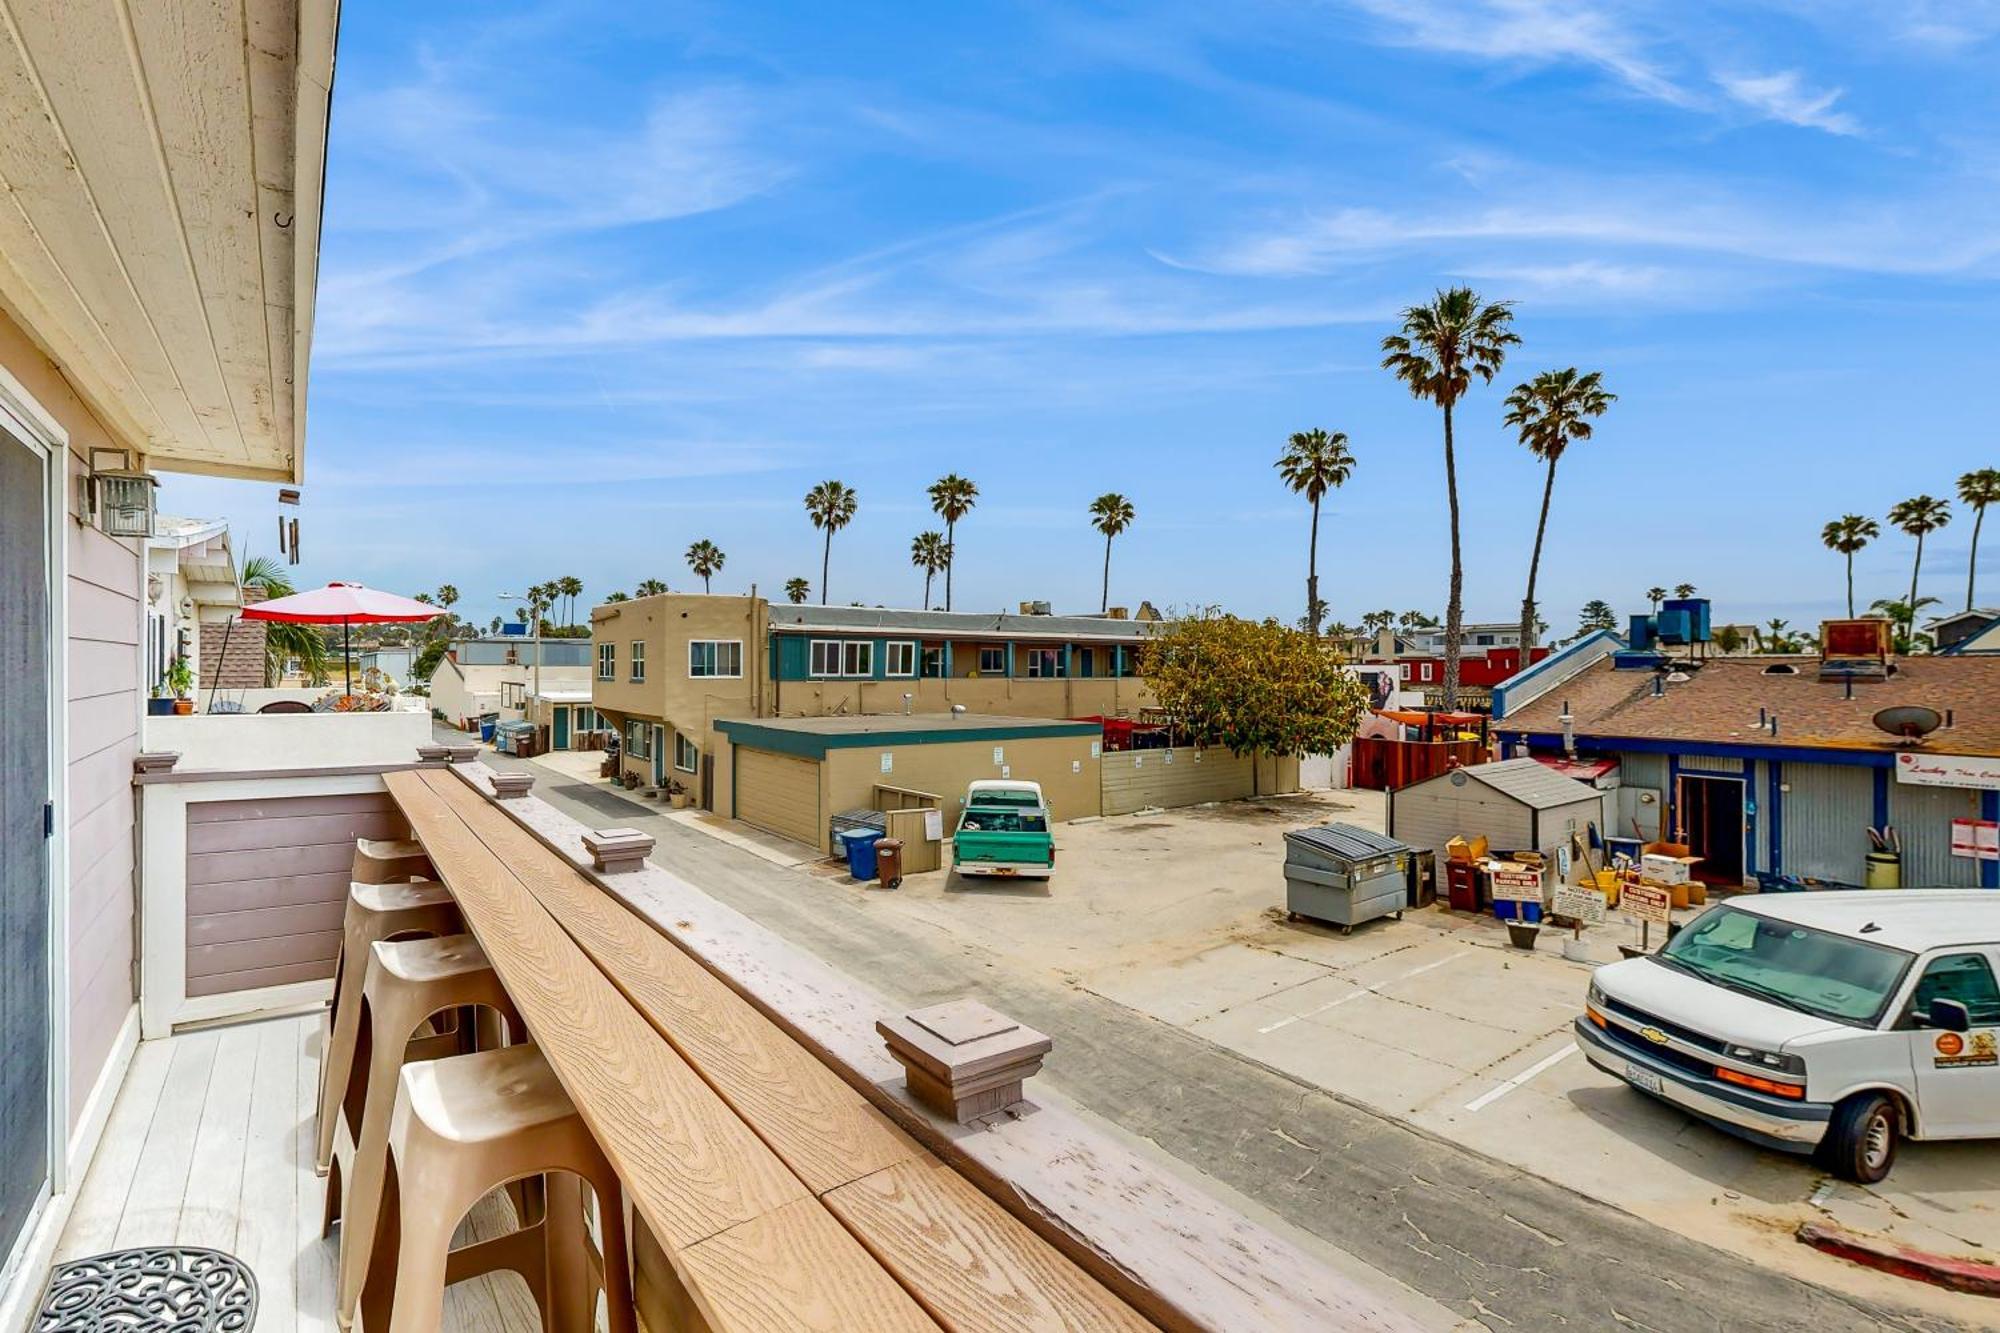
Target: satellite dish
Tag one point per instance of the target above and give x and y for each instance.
(1910, 721)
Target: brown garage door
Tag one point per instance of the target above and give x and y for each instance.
(780, 794)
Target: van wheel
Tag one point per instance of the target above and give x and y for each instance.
(1860, 1142)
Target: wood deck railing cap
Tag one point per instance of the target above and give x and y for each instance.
(963, 1058)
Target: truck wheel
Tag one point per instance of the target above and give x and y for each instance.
(1860, 1142)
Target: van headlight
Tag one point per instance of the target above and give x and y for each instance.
(1774, 1060)
(1596, 997)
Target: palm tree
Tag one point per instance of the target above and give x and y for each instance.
(831, 506)
(649, 588)
(571, 587)
(1919, 516)
(797, 590)
(929, 551)
(1683, 590)
(493, 626)
(1437, 351)
(617, 597)
(1411, 621)
(1977, 489)
(1110, 513)
(1780, 641)
(952, 496)
(282, 640)
(447, 595)
(1848, 534)
(1374, 622)
(705, 558)
(1656, 595)
(1315, 462)
(1596, 615)
(1552, 412)
(1903, 614)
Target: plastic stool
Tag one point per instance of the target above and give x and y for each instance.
(408, 982)
(379, 911)
(390, 861)
(462, 1127)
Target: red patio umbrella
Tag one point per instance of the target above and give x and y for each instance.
(343, 604)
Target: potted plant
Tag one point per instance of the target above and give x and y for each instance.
(677, 795)
(180, 679)
(161, 704)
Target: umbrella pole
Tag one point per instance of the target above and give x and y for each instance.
(220, 658)
(346, 657)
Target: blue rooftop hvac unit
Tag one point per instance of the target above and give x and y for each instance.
(1640, 636)
(1672, 625)
(1694, 616)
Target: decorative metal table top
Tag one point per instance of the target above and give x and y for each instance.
(160, 1289)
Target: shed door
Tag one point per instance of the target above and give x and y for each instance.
(24, 848)
(780, 794)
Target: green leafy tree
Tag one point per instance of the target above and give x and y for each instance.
(1436, 353)
(952, 497)
(706, 559)
(284, 641)
(1252, 687)
(1976, 490)
(426, 664)
(1779, 641)
(1918, 517)
(1110, 513)
(1729, 640)
(650, 588)
(1903, 616)
(831, 506)
(797, 590)
(1847, 535)
(1656, 595)
(1315, 462)
(1596, 615)
(1550, 413)
(929, 551)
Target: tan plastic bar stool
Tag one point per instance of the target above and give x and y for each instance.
(462, 1127)
(408, 982)
(390, 861)
(375, 911)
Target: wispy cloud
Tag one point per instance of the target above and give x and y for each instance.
(1784, 96)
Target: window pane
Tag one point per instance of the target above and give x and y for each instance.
(1964, 977)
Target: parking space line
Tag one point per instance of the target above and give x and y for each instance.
(1365, 990)
(1494, 1094)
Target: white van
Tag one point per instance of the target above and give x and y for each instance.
(1834, 1023)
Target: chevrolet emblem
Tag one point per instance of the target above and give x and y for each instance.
(1654, 1035)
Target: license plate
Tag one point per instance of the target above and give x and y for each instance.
(1643, 1079)
(1004, 870)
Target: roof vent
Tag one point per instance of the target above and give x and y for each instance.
(1781, 669)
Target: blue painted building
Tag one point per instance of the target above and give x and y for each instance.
(1775, 765)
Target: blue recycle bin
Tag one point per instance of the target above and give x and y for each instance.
(1506, 910)
(860, 845)
(486, 728)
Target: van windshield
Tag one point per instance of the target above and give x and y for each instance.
(1833, 976)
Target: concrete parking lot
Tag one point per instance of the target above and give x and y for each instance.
(1433, 1024)
(1434, 1020)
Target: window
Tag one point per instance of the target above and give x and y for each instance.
(842, 657)
(1847, 980)
(1046, 663)
(687, 758)
(639, 739)
(992, 661)
(899, 659)
(715, 657)
(1086, 662)
(586, 719)
(1964, 977)
(638, 659)
(1424, 671)
(1128, 661)
(933, 663)
(1482, 640)
(607, 661)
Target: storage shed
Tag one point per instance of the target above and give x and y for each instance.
(1518, 804)
(792, 776)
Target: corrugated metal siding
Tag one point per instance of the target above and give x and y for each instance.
(1923, 815)
(1709, 763)
(1643, 770)
(1826, 817)
(1431, 814)
(1135, 779)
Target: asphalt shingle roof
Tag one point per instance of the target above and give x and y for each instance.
(1719, 705)
(1529, 781)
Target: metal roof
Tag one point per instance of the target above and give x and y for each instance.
(973, 624)
(1347, 842)
(1528, 781)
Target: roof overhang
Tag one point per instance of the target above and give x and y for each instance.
(161, 182)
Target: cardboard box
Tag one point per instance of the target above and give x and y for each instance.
(1667, 869)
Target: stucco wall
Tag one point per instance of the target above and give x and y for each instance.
(1062, 764)
(1136, 779)
(102, 601)
(1016, 697)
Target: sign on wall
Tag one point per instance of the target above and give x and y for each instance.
(1978, 839)
(1949, 770)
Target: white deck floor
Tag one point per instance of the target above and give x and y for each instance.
(210, 1143)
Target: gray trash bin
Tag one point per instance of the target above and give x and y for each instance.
(1345, 875)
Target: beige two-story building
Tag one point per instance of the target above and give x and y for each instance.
(665, 668)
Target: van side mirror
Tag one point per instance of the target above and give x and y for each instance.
(1949, 1016)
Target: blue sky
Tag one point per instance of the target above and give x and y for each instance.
(600, 280)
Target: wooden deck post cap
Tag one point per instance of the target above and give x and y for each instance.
(964, 1059)
(461, 754)
(613, 849)
(512, 784)
(434, 754)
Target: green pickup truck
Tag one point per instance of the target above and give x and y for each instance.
(1004, 831)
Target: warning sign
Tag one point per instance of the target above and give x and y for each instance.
(1580, 904)
(1648, 902)
(1977, 839)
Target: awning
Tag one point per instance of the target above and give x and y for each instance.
(1583, 770)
